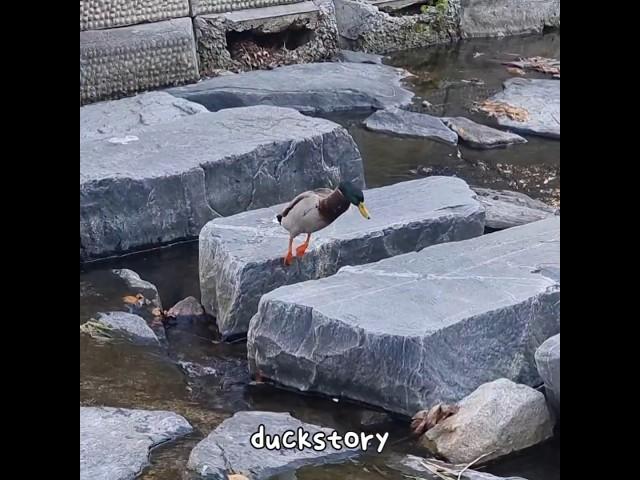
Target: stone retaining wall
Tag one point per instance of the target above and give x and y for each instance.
(130, 46)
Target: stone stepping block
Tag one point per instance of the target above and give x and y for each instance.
(166, 181)
(413, 330)
(241, 256)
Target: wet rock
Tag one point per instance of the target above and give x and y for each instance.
(548, 362)
(498, 418)
(227, 448)
(414, 466)
(132, 325)
(498, 18)
(119, 118)
(115, 442)
(359, 57)
(241, 256)
(464, 313)
(476, 135)
(186, 308)
(137, 285)
(309, 88)
(505, 209)
(410, 124)
(196, 370)
(540, 98)
(162, 188)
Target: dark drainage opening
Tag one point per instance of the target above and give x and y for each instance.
(255, 49)
(399, 10)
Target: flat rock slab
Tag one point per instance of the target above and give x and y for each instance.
(548, 362)
(476, 135)
(402, 123)
(540, 98)
(241, 256)
(410, 331)
(309, 88)
(227, 449)
(131, 325)
(115, 442)
(174, 177)
(505, 209)
(122, 61)
(119, 118)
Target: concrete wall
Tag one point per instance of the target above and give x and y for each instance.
(130, 46)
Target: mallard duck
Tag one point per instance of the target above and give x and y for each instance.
(314, 210)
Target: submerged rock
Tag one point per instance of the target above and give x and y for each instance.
(505, 209)
(178, 175)
(241, 256)
(410, 124)
(480, 136)
(228, 448)
(498, 418)
(129, 324)
(541, 100)
(115, 442)
(416, 329)
(548, 362)
(187, 308)
(309, 88)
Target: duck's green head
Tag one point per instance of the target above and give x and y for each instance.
(355, 196)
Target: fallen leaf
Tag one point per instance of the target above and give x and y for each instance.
(427, 419)
(515, 71)
(501, 109)
(237, 476)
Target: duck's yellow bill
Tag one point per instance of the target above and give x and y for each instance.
(363, 211)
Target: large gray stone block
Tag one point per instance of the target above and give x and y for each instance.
(115, 442)
(241, 256)
(407, 332)
(167, 181)
(541, 100)
(119, 118)
(498, 18)
(506, 209)
(119, 62)
(98, 14)
(309, 88)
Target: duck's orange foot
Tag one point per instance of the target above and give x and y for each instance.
(288, 259)
(301, 249)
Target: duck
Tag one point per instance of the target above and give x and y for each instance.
(314, 210)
